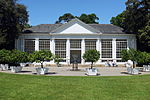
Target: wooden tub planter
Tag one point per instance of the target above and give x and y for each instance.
(16, 69)
(42, 71)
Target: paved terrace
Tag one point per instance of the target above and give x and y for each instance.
(66, 71)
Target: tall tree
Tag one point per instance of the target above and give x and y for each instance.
(88, 19)
(119, 20)
(136, 18)
(137, 15)
(65, 18)
(12, 18)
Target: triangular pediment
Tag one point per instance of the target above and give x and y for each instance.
(75, 27)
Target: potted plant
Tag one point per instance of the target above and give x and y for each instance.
(132, 55)
(57, 60)
(91, 56)
(17, 57)
(40, 57)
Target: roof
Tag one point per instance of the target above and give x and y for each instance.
(51, 28)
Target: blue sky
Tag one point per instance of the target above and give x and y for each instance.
(48, 11)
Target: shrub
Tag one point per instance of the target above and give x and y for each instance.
(4, 56)
(134, 55)
(17, 57)
(91, 56)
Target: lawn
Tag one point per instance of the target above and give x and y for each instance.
(34, 87)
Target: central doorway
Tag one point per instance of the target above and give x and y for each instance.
(75, 56)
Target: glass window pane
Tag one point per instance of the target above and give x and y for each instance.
(106, 48)
(60, 48)
(90, 44)
(29, 45)
(121, 44)
(44, 44)
(75, 44)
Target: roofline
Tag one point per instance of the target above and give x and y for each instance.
(75, 34)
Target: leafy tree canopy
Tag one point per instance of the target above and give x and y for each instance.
(13, 17)
(91, 56)
(86, 18)
(135, 19)
(118, 20)
(40, 56)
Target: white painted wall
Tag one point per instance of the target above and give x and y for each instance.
(131, 42)
(76, 28)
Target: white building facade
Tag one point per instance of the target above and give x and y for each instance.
(72, 39)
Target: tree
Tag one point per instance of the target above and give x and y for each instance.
(144, 37)
(135, 20)
(137, 15)
(131, 54)
(17, 57)
(65, 18)
(40, 56)
(88, 19)
(12, 18)
(22, 17)
(118, 20)
(91, 56)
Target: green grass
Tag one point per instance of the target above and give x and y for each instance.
(32, 87)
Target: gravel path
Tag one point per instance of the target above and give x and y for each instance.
(66, 71)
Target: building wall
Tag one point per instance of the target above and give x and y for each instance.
(131, 43)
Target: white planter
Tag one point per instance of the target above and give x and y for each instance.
(91, 72)
(22, 64)
(133, 71)
(146, 68)
(15, 69)
(42, 71)
(4, 67)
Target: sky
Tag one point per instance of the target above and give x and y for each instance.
(48, 11)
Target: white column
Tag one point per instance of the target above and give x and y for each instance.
(82, 50)
(128, 43)
(114, 49)
(98, 48)
(68, 51)
(22, 44)
(37, 44)
(52, 48)
(100, 45)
